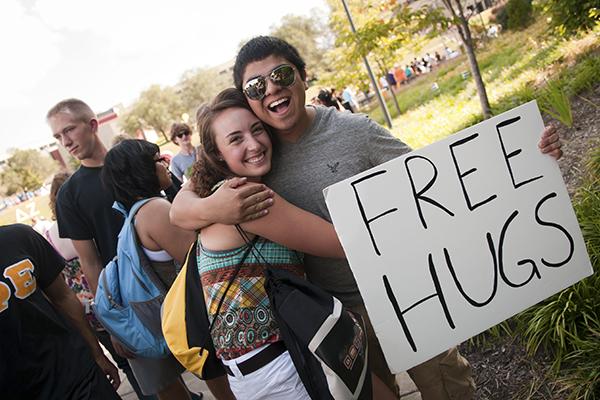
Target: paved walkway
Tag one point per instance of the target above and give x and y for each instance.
(408, 391)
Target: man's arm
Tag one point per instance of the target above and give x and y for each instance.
(90, 261)
(67, 304)
(234, 202)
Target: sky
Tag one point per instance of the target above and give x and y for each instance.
(107, 52)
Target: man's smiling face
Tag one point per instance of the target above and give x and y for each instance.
(282, 107)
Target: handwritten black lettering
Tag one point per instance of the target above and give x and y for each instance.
(534, 269)
(363, 214)
(420, 194)
(462, 175)
(512, 154)
(400, 313)
(459, 285)
(557, 226)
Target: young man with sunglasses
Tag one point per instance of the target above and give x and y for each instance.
(317, 147)
(181, 135)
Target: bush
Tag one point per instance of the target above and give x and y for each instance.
(583, 378)
(570, 16)
(518, 14)
(569, 322)
(500, 15)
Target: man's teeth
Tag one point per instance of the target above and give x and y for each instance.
(277, 102)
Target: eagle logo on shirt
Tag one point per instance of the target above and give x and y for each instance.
(333, 167)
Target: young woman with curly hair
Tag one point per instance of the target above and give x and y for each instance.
(235, 142)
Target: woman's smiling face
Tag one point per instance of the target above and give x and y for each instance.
(243, 142)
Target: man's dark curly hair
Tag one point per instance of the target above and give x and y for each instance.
(261, 47)
(209, 169)
(129, 171)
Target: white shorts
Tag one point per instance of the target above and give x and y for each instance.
(278, 380)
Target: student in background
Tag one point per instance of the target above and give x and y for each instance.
(181, 135)
(135, 170)
(72, 272)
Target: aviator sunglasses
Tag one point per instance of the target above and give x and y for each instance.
(283, 75)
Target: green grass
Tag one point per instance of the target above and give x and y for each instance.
(515, 68)
(568, 324)
(9, 215)
(419, 91)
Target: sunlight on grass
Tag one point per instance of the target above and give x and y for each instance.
(514, 68)
(39, 205)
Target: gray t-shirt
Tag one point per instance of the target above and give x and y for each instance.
(336, 146)
(181, 162)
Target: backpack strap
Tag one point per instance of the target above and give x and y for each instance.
(130, 214)
(144, 261)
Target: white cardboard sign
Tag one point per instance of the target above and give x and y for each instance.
(458, 236)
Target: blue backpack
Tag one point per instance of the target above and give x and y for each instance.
(130, 294)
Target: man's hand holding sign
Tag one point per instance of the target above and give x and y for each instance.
(454, 238)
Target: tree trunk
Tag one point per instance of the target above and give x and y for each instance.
(465, 36)
(165, 136)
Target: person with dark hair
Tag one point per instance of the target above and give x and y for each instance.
(84, 211)
(261, 48)
(236, 143)
(326, 99)
(47, 349)
(74, 277)
(134, 170)
(181, 135)
(270, 74)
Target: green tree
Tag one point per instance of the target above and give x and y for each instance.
(385, 29)
(26, 170)
(519, 13)
(156, 108)
(202, 85)
(570, 16)
(309, 35)
(461, 23)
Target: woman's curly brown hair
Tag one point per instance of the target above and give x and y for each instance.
(57, 181)
(209, 169)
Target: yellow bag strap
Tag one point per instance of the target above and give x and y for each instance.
(174, 325)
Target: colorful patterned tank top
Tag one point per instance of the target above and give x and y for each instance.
(245, 321)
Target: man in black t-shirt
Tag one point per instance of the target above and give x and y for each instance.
(84, 208)
(45, 341)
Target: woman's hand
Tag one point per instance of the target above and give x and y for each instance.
(234, 202)
(241, 202)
